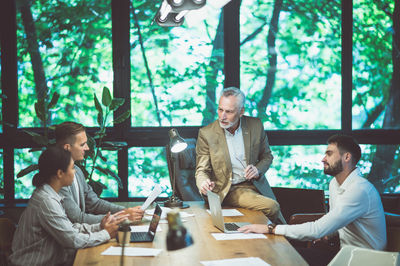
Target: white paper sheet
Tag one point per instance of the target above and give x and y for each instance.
(222, 236)
(131, 251)
(251, 261)
(229, 212)
(153, 195)
(142, 228)
(166, 210)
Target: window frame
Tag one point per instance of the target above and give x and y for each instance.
(13, 137)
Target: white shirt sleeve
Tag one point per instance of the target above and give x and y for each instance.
(347, 208)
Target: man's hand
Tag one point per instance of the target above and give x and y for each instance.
(206, 186)
(111, 217)
(135, 213)
(111, 224)
(251, 172)
(254, 228)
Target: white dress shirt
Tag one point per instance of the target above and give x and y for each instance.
(356, 212)
(236, 152)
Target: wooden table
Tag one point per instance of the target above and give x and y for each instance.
(275, 250)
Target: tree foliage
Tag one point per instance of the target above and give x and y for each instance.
(290, 73)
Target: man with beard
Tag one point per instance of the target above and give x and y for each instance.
(232, 156)
(356, 211)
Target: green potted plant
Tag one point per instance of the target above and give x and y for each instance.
(96, 144)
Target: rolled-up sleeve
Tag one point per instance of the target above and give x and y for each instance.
(347, 209)
(69, 235)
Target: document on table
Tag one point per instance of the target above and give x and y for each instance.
(142, 228)
(252, 261)
(153, 195)
(222, 236)
(229, 212)
(166, 210)
(131, 251)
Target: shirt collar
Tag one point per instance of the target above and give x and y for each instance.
(48, 189)
(347, 182)
(237, 131)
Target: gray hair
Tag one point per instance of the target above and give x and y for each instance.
(233, 91)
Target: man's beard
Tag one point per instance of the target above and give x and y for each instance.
(334, 169)
(229, 125)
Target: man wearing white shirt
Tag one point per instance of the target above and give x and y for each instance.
(356, 210)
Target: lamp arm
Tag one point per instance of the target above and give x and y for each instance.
(174, 158)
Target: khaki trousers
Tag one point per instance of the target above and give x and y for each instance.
(245, 195)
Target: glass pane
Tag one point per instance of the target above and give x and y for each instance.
(177, 83)
(23, 185)
(301, 167)
(65, 47)
(148, 166)
(298, 167)
(291, 63)
(381, 165)
(373, 66)
(108, 161)
(24, 158)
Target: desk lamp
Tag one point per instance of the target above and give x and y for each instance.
(176, 145)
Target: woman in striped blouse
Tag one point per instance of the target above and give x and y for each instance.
(45, 235)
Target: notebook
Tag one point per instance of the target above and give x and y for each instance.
(149, 235)
(216, 215)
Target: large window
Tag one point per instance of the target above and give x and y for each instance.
(63, 47)
(308, 69)
(373, 66)
(147, 167)
(290, 63)
(175, 71)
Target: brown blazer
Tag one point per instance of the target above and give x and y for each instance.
(213, 160)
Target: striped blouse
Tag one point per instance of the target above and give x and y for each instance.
(45, 235)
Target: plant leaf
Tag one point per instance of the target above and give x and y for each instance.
(100, 119)
(97, 105)
(39, 109)
(35, 149)
(54, 100)
(104, 159)
(119, 144)
(113, 145)
(27, 170)
(31, 133)
(122, 117)
(41, 140)
(108, 172)
(97, 186)
(115, 103)
(106, 98)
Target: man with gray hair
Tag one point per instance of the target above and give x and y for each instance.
(233, 155)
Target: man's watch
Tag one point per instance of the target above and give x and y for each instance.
(271, 227)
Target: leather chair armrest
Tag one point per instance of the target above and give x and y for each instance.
(392, 220)
(300, 218)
